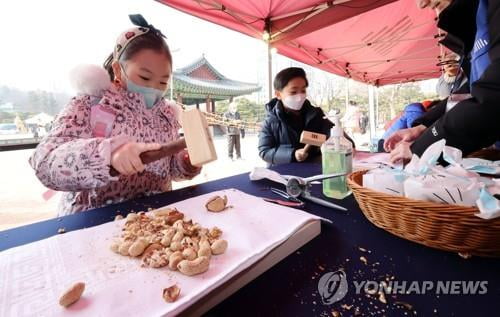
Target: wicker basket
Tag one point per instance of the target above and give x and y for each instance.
(445, 227)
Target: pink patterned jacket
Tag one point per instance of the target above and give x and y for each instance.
(75, 156)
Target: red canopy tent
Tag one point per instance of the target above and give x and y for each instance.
(377, 42)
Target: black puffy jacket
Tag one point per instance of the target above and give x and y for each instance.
(278, 140)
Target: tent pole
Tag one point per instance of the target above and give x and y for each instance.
(346, 94)
(371, 107)
(377, 109)
(269, 71)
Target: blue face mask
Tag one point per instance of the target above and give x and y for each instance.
(151, 95)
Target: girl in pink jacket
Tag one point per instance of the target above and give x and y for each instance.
(110, 123)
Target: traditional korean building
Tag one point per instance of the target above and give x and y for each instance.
(200, 83)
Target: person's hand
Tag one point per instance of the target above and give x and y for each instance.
(401, 153)
(126, 159)
(186, 163)
(301, 154)
(404, 135)
(424, 3)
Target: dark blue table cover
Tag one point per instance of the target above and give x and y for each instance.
(290, 287)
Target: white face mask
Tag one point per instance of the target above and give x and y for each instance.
(294, 102)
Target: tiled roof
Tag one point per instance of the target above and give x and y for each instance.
(200, 79)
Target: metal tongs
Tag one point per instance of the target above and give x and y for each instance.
(296, 187)
(291, 201)
(301, 187)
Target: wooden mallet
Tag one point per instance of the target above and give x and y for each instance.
(311, 139)
(197, 139)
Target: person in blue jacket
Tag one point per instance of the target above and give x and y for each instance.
(411, 112)
(288, 114)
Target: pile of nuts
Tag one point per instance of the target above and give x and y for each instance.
(166, 238)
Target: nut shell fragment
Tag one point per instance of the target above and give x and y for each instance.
(216, 203)
(72, 295)
(170, 294)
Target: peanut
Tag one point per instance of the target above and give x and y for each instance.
(72, 295)
(189, 254)
(132, 217)
(158, 221)
(194, 267)
(205, 249)
(138, 247)
(178, 235)
(168, 253)
(163, 212)
(219, 247)
(203, 232)
(175, 246)
(179, 225)
(174, 259)
(174, 216)
(167, 238)
(123, 249)
(115, 246)
(134, 227)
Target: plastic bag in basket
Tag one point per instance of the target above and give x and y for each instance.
(441, 186)
(457, 184)
(385, 180)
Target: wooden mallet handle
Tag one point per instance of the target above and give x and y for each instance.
(307, 147)
(155, 155)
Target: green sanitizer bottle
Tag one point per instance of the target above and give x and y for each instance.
(336, 158)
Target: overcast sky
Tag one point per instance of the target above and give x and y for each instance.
(43, 40)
